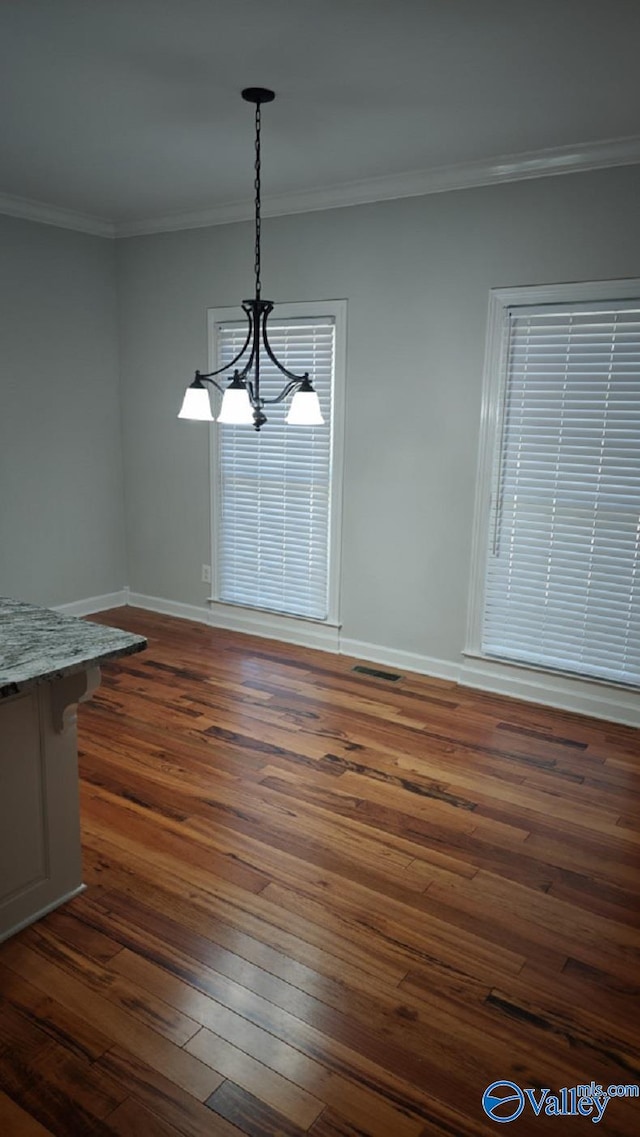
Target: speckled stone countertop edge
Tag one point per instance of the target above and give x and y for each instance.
(7, 690)
(39, 645)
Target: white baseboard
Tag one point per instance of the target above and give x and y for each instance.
(585, 697)
(270, 625)
(400, 660)
(581, 696)
(43, 912)
(168, 607)
(289, 629)
(94, 604)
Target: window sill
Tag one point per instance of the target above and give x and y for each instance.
(323, 634)
(583, 694)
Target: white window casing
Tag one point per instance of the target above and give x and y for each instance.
(556, 561)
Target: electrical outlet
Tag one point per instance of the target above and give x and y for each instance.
(206, 574)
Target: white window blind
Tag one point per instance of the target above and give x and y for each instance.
(562, 588)
(274, 487)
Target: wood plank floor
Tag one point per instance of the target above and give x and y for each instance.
(323, 903)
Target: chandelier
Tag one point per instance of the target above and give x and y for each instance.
(242, 401)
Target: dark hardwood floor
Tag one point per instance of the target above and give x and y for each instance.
(323, 903)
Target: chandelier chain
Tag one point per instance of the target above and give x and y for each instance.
(257, 189)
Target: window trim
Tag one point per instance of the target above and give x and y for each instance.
(494, 387)
(337, 309)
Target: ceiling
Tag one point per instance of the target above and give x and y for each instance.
(126, 116)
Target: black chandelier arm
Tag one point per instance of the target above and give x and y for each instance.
(281, 367)
(253, 310)
(254, 398)
(227, 367)
(211, 381)
(284, 393)
(245, 370)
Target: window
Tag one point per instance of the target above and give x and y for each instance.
(560, 586)
(277, 492)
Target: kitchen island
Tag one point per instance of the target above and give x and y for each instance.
(48, 664)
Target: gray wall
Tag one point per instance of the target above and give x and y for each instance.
(61, 500)
(416, 274)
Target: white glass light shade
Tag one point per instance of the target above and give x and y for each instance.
(305, 410)
(196, 405)
(236, 409)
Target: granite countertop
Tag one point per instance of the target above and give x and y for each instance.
(37, 644)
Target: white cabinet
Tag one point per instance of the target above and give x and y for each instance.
(40, 856)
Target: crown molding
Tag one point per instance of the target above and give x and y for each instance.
(54, 215)
(467, 175)
(493, 171)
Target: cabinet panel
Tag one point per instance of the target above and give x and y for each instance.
(23, 811)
